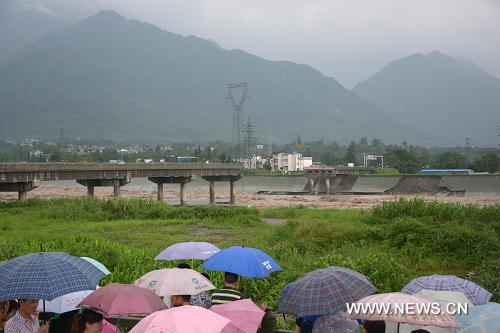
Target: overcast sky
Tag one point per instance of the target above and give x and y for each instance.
(347, 39)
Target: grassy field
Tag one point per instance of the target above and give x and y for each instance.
(392, 243)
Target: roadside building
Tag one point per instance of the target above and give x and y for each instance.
(284, 162)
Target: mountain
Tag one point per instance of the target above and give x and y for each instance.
(113, 78)
(453, 98)
(22, 26)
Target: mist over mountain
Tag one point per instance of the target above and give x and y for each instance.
(109, 77)
(452, 98)
(22, 26)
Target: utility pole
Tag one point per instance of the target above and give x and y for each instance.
(237, 111)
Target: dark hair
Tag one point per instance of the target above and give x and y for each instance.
(374, 326)
(206, 275)
(90, 317)
(183, 265)
(419, 331)
(230, 277)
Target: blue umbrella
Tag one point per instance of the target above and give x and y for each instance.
(244, 261)
(97, 264)
(480, 319)
(188, 250)
(46, 275)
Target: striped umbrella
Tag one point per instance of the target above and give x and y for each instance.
(324, 292)
(476, 294)
(46, 275)
(400, 308)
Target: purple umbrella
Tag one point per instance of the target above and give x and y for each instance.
(189, 250)
(476, 294)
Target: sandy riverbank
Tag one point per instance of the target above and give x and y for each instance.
(255, 200)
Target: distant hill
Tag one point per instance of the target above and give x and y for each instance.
(20, 27)
(449, 97)
(109, 77)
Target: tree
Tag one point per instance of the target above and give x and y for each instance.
(350, 156)
(489, 162)
(450, 160)
(404, 160)
(363, 141)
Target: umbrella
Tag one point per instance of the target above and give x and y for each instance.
(65, 303)
(46, 275)
(188, 250)
(116, 300)
(97, 264)
(244, 261)
(476, 294)
(481, 319)
(175, 281)
(443, 297)
(391, 307)
(335, 324)
(182, 319)
(244, 314)
(324, 292)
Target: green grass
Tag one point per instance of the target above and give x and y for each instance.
(392, 243)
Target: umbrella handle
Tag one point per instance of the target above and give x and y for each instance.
(398, 327)
(44, 314)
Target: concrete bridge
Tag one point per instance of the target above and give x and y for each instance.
(24, 177)
(332, 176)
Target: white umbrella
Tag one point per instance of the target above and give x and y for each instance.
(443, 297)
(175, 281)
(64, 303)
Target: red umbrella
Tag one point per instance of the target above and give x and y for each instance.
(118, 300)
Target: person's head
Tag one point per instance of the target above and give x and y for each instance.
(206, 275)
(179, 300)
(374, 326)
(184, 265)
(90, 321)
(28, 306)
(230, 279)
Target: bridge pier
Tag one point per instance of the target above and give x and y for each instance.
(181, 180)
(211, 186)
(22, 188)
(116, 183)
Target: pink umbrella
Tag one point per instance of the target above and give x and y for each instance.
(244, 314)
(183, 319)
(116, 300)
(401, 308)
(107, 327)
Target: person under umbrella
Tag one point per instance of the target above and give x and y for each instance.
(88, 322)
(201, 299)
(229, 292)
(25, 320)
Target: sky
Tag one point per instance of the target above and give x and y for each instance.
(349, 40)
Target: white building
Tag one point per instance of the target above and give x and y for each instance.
(256, 162)
(283, 162)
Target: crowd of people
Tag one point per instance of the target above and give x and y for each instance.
(21, 316)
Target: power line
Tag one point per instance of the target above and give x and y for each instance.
(237, 111)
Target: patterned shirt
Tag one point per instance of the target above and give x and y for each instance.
(18, 324)
(226, 295)
(202, 299)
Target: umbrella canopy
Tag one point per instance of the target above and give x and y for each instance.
(117, 300)
(324, 292)
(46, 275)
(175, 281)
(245, 261)
(65, 303)
(244, 314)
(335, 324)
(443, 297)
(97, 264)
(480, 319)
(182, 319)
(476, 294)
(188, 250)
(390, 307)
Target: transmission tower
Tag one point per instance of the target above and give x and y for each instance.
(270, 143)
(249, 138)
(468, 143)
(237, 110)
